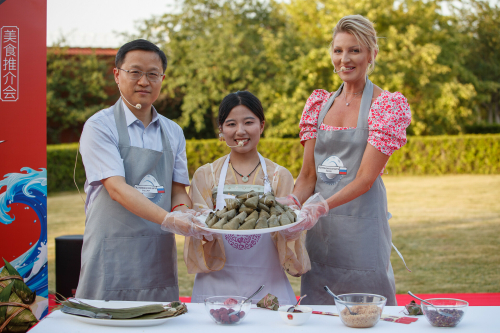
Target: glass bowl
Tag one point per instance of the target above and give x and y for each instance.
(227, 310)
(367, 306)
(455, 307)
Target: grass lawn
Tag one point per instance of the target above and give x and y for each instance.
(447, 228)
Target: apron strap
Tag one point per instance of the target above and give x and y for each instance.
(366, 103)
(220, 202)
(401, 256)
(389, 216)
(121, 124)
(328, 105)
(166, 147)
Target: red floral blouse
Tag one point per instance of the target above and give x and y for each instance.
(388, 119)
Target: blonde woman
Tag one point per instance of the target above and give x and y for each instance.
(348, 137)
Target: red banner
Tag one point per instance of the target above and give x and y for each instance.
(23, 175)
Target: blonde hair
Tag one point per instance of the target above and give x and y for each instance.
(361, 28)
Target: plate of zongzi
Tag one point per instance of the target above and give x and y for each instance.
(121, 314)
(250, 214)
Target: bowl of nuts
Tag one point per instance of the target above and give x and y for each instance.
(360, 310)
(445, 312)
(227, 310)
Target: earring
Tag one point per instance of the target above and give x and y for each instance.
(221, 136)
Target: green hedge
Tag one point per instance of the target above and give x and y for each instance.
(437, 155)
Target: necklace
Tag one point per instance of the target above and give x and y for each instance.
(244, 178)
(352, 99)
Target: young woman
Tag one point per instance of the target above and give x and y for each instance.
(238, 265)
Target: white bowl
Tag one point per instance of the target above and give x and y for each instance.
(295, 318)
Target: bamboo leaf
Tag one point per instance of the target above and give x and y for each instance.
(4, 297)
(20, 288)
(125, 313)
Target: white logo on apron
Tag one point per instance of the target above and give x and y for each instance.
(150, 188)
(332, 170)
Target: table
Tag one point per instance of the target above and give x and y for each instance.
(477, 319)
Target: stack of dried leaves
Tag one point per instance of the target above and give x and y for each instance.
(15, 298)
(152, 311)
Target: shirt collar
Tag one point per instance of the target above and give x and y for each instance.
(131, 118)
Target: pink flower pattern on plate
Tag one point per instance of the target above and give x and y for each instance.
(388, 119)
(242, 242)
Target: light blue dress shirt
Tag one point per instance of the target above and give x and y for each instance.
(100, 154)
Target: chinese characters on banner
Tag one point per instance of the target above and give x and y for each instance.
(9, 67)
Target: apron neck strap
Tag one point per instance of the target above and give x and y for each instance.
(121, 124)
(364, 108)
(328, 105)
(366, 103)
(220, 203)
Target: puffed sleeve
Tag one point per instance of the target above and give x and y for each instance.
(390, 115)
(292, 254)
(309, 120)
(201, 256)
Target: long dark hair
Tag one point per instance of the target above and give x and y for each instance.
(245, 98)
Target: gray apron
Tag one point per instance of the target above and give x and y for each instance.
(350, 247)
(125, 257)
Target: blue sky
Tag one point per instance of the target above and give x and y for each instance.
(94, 23)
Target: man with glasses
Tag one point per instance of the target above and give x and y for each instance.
(136, 168)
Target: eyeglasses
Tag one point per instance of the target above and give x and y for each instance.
(137, 74)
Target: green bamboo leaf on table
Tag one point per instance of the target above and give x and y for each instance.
(152, 311)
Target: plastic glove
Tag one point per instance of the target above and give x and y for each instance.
(185, 224)
(314, 208)
(291, 201)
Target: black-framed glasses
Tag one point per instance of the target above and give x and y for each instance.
(136, 75)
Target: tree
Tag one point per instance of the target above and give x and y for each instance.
(218, 47)
(480, 26)
(279, 51)
(77, 87)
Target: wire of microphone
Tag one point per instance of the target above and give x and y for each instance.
(138, 106)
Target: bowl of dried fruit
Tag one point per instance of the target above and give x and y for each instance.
(227, 310)
(455, 308)
(360, 310)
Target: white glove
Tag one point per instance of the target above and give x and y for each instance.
(314, 208)
(185, 224)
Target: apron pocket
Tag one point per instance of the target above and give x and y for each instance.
(143, 262)
(351, 242)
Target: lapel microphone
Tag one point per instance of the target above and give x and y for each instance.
(138, 106)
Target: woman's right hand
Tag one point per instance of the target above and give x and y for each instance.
(314, 208)
(291, 201)
(185, 224)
